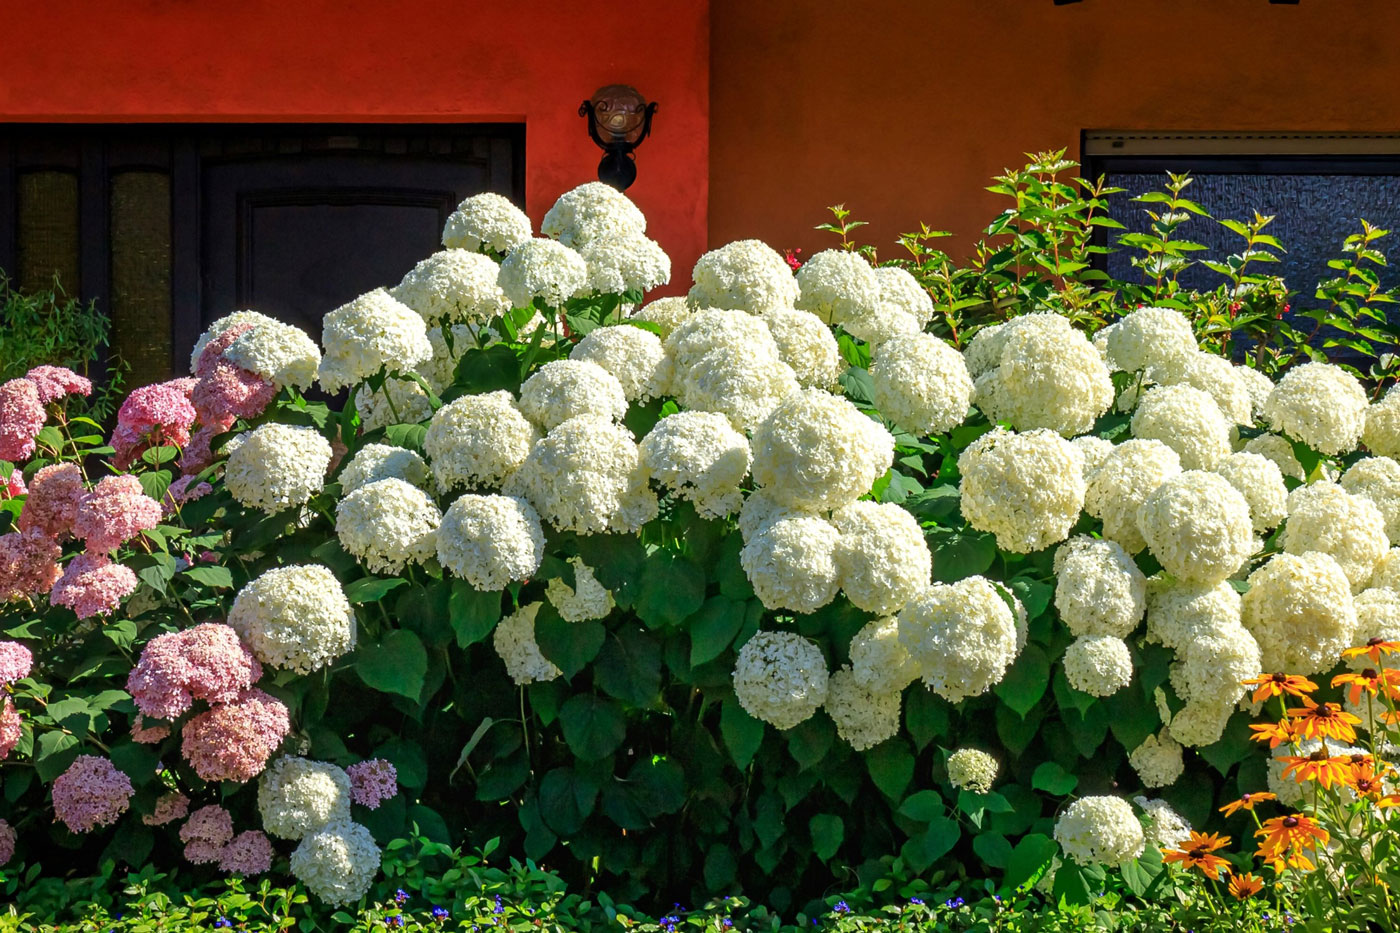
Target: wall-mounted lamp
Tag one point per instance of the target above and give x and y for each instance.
(619, 118)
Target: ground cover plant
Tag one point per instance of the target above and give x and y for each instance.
(808, 580)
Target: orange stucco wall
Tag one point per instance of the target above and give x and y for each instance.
(904, 109)
(528, 61)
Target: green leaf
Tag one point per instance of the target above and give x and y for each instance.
(992, 848)
(473, 612)
(398, 664)
(720, 867)
(827, 831)
(923, 806)
(1141, 874)
(488, 370)
(570, 645)
(742, 733)
(1030, 859)
(53, 753)
(713, 628)
(809, 740)
(593, 726)
(1076, 885)
(925, 716)
(154, 483)
(1053, 779)
(372, 589)
(1026, 680)
(657, 785)
(629, 667)
(212, 576)
(858, 385)
(921, 851)
(960, 554)
(408, 760)
(891, 767)
(670, 589)
(566, 798)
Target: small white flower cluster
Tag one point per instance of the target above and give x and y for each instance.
(297, 796)
(337, 862)
(280, 353)
(1099, 590)
(837, 286)
(1099, 665)
(806, 345)
(728, 362)
(1260, 481)
(490, 540)
(486, 221)
(1324, 517)
(544, 269)
(780, 678)
(1381, 434)
(1168, 829)
(1158, 760)
(900, 291)
(1377, 479)
(591, 212)
(296, 618)
(1046, 375)
(1217, 377)
(453, 286)
(514, 641)
(921, 384)
(882, 558)
(623, 264)
(746, 275)
(791, 563)
(586, 599)
(1148, 338)
(251, 319)
(1188, 421)
(398, 401)
(817, 451)
(698, 455)
(565, 389)
(1198, 526)
(864, 718)
(962, 636)
(633, 356)
(972, 769)
(1100, 831)
(375, 331)
(478, 440)
(1299, 608)
(585, 476)
(1278, 451)
(1128, 475)
(374, 462)
(665, 314)
(879, 660)
(388, 524)
(278, 466)
(1321, 405)
(1027, 489)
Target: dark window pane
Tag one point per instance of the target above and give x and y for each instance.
(47, 235)
(140, 300)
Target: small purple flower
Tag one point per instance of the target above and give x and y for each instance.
(223, 922)
(499, 908)
(395, 921)
(727, 923)
(841, 908)
(440, 913)
(400, 896)
(668, 923)
(918, 901)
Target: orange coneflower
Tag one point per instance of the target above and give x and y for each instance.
(1197, 852)
(1293, 832)
(1366, 781)
(1244, 886)
(1293, 859)
(1373, 649)
(1319, 766)
(1246, 802)
(1324, 721)
(1369, 681)
(1276, 685)
(1275, 733)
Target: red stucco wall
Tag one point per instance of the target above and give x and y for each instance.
(904, 109)
(391, 60)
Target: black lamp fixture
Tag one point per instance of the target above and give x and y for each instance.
(619, 118)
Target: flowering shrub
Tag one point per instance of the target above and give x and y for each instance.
(763, 583)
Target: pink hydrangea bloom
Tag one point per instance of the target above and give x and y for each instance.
(13, 487)
(181, 491)
(21, 417)
(229, 390)
(28, 564)
(52, 505)
(250, 853)
(169, 808)
(116, 510)
(143, 734)
(206, 662)
(92, 585)
(206, 833)
(233, 742)
(91, 793)
(54, 382)
(16, 661)
(198, 453)
(7, 842)
(9, 727)
(153, 415)
(372, 782)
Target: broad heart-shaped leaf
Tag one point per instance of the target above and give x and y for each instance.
(154, 483)
(923, 806)
(742, 733)
(992, 848)
(495, 367)
(1233, 745)
(960, 554)
(827, 831)
(593, 726)
(570, 645)
(212, 576)
(398, 664)
(473, 612)
(566, 798)
(720, 867)
(921, 851)
(55, 751)
(629, 666)
(809, 740)
(1141, 874)
(713, 628)
(1029, 860)
(925, 716)
(891, 767)
(1026, 680)
(1077, 885)
(372, 589)
(1053, 779)
(670, 590)
(657, 784)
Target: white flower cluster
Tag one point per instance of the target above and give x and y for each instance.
(1027, 489)
(746, 275)
(1188, 421)
(372, 332)
(590, 212)
(280, 353)
(817, 451)
(698, 456)
(514, 641)
(791, 563)
(478, 440)
(297, 796)
(1046, 375)
(1198, 526)
(633, 356)
(863, 718)
(1215, 376)
(1377, 617)
(962, 636)
(1128, 475)
(490, 540)
(838, 286)
(337, 862)
(543, 269)
(1100, 831)
(806, 345)
(921, 384)
(1260, 481)
(453, 286)
(900, 291)
(1168, 828)
(1148, 338)
(1158, 760)
(565, 389)
(728, 361)
(1321, 405)
(296, 618)
(666, 314)
(1325, 517)
(1381, 434)
(622, 264)
(1377, 479)
(780, 678)
(398, 401)
(586, 599)
(1278, 451)
(879, 661)
(585, 475)
(439, 371)
(236, 319)
(882, 558)
(486, 221)
(388, 524)
(1099, 590)
(1099, 665)
(277, 466)
(374, 462)
(1299, 608)
(972, 769)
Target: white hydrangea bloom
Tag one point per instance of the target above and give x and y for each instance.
(486, 221)
(791, 563)
(1127, 476)
(1100, 831)
(1179, 613)
(1215, 376)
(585, 475)
(666, 313)
(453, 286)
(838, 286)
(277, 466)
(593, 211)
(388, 524)
(1257, 385)
(1094, 450)
(759, 509)
(972, 769)
(1211, 667)
(780, 678)
(337, 862)
(1299, 608)
(983, 352)
(1378, 479)
(564, 389)
(1099, 665)
(746, 275)
(398, 401)
(1047, 375)
(1325, 517)
(1169, 829)
(882, 558)
(440, 371)
(962, 637)
(514, 641)
(1386, 573)
(817, 451)
(478, 440)
(1279, 450)
(1200, 723)
(295, 618)
(899, 289)
(1098, 588)
(921, 384)
(1027, 489)
(881, 323)
(1377, 619)
(236, 319)
(1198, 526)
(863, 718)
(727, 361)
(1158, 760)
(278, 352)
(1260, 481)
(543, 269)
(1381, 434)
(380, 461)
(806, 345)
(620, 264)
(1321, 405)
(698, 456)
(586, 599)
(297, 796)
(879, 661)
(372, 332)
(490, 541)
(1188, 421)
(1149, 337)
(633, 356)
